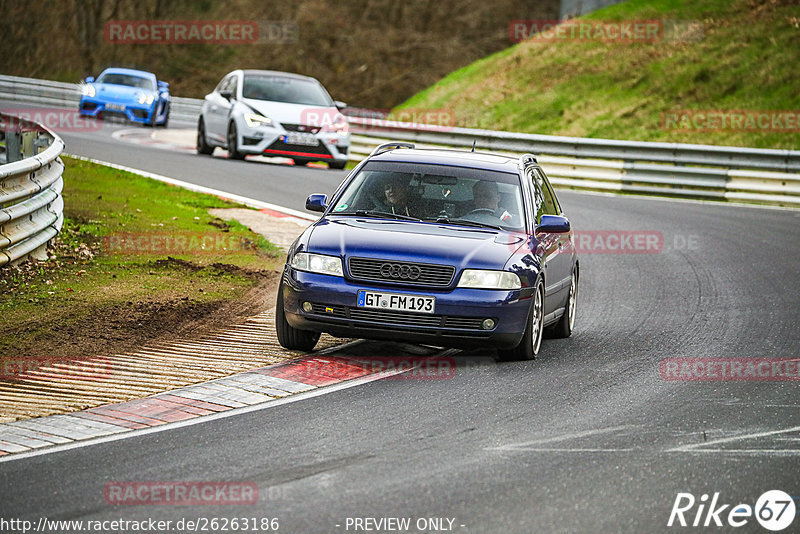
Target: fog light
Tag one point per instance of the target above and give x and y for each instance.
(307, 307)
(487, 324)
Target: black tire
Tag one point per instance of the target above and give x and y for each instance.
(166, 119)
(565, 325)
(202, 144)
(233, 149)
(531, 341)
(300, 162)
(338, 165)
(289, 337)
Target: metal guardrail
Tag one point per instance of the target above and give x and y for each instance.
(665, 169)
(31, 206)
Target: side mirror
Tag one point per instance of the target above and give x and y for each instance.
(227, 95)
(553, 224)
(340, 105)
(163, 86)
(317, 202)
(89, 79)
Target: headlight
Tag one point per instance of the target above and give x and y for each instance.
(146, 98)
(478, 279)
(254, 121)
(88, 90)
(317, 263)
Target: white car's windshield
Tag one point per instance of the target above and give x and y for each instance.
(435, 193)
(285, 89)
(127, 79)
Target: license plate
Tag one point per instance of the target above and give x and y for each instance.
(115, 107)
(396, 301)
(299, 138)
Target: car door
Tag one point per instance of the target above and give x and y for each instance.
(216, 117)
(557, 253)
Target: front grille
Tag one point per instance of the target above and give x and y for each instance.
(395, 317)
(407, 273)
(297, 150)
(88, 106)
(139, 113)
(249, 141)
(470, 323)
(392, 317)
(325, 309)
(300, 128)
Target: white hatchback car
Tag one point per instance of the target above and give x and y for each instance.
(274, 114)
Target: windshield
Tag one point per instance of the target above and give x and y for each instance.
(283, 89)
(456, 195)
(127, 79)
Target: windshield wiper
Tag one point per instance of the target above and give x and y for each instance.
(464, 222)
(376, 213)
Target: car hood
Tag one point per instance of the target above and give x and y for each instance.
(119, 92)
(293, 113)
(411, 241)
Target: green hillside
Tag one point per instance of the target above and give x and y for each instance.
(725, 55)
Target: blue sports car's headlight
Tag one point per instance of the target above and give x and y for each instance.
(253, 121)
(317, 263)
(146, 98)
(88, 90)
(479, 279)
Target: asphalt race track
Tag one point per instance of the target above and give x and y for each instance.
(587, 438)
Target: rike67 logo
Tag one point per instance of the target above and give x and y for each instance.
(774, 510)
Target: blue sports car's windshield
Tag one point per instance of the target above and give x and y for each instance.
(456, 195)
(128, 80)
(285, 89)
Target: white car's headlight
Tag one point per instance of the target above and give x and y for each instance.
(253, 120)
(88, 90)
(480, 279)
(146, 98)
(317, 263)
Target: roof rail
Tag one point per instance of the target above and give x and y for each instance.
(526, 159)
(380, 149)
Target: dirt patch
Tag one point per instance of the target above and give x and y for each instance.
(128, 326)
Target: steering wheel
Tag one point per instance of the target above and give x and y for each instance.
(482, 210)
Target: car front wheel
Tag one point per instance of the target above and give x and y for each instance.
(531, 342)
(202, 144)
(233, 147)
(289, 337)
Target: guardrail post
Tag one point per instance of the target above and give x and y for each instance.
(13, 146)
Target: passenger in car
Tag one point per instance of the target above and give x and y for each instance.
(396, 197)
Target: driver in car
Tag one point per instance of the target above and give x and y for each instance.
(395, 196)
(486, 200)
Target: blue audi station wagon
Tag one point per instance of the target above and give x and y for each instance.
(439, 247)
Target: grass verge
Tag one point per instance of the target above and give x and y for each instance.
(136, 258)
(736, 55)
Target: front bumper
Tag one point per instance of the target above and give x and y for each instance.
(268, 141)
(134, 112)
(456, 322)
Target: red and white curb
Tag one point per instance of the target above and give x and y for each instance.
(246, 390)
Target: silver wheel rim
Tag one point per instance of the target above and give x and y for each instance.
(573, 298)
(536, 320)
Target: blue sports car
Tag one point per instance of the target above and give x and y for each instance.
(441, 247)
(134, 95)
